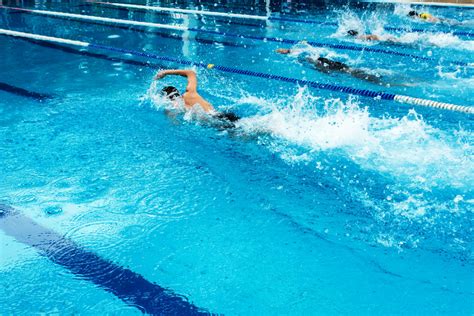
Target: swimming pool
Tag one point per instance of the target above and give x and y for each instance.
(318, 202)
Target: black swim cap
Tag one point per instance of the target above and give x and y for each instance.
(331, 64)
(170, 92)
(412, 13)
(352, 32)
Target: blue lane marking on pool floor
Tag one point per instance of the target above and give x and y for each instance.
(24, 93)
(130, 287)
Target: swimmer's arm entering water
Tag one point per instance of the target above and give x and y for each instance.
(189, 74)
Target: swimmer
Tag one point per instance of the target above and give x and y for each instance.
(371, 37)
(191, 97)
(326, 65)
(430, 18)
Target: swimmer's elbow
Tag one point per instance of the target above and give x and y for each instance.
(189, 73)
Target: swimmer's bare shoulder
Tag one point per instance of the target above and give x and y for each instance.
(191, 97)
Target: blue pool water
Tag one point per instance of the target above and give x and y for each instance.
(318, 202)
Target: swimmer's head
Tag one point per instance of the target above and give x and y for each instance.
(170, 92)
(412, 13)
(352, 32)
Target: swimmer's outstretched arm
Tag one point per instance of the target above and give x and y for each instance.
(189, 74)
(283, 51)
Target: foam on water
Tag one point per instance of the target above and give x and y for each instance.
(419, 191)
(366, 139)
(402, 10)
(420, 167)
(374, 23)
(316, 52)
(437, 39)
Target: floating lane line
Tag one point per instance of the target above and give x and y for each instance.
(323, 86)
(234, 35)
(404, 29)
(175, 15)
(186, 11)
(256, 17)
(99, 18)
(44, 38)
(146, 30)
(132, 288)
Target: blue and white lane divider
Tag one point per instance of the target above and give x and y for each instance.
(209, 13)
(130, 287)
(233, 35)
(313, 84)
(98, 18)
(186, 11)
(255, 17)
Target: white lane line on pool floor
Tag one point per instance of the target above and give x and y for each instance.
(98, 18)
(396, 98)
(188, 11)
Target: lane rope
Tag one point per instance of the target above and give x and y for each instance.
(323, 86)
(256, 17)
(233, 35)
(186, 11)
(99, 18)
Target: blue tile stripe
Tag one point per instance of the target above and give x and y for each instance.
(130, 287)
(25, 93)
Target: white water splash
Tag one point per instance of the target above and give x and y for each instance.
(374, 23)
(421, 171)
(407, 148)
(444, 40)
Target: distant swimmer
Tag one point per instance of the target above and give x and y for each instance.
(430, 18)
(191, 97)
(372, 37)
(327, 65)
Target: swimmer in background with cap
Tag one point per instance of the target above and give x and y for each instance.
(327, 65)
(424, 16)
(430, 18)
(191, 97)
(372, 37)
